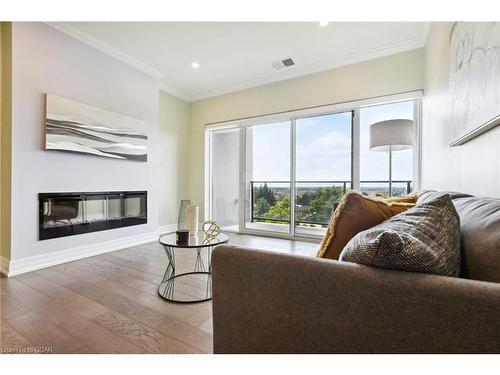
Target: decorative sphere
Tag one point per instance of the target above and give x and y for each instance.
(210, 228)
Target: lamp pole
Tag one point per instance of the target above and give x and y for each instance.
(390, 171)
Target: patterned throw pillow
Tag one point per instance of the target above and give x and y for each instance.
(355, 213)
(425, 238)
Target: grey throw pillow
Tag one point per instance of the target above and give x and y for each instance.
(425, 238)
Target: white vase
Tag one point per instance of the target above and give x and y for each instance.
(192, 219)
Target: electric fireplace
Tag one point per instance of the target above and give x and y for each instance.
(67, 214)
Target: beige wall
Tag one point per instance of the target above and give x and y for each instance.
(1, 145)
(470, 168)
(384, 76)
(173, 123)
(5, 136)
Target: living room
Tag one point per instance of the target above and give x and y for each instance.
(251, 186)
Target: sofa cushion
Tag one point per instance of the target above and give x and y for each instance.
(479, 233)
(355, 213)
(480, 237)
(424, 238)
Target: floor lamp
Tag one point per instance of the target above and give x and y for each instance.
(391, 135)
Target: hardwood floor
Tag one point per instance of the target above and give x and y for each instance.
(110, 304)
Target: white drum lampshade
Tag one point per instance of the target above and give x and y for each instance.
(391, 135)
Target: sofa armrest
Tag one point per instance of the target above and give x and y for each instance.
(268, 302)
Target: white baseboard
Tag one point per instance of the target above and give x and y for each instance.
(19, 266)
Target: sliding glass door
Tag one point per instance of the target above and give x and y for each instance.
(323, 158)
(295, 173)
(268, 177)
(224, 187)
(287, 176)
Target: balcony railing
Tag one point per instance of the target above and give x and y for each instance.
(315, 201)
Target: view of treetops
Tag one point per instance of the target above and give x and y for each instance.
(323, 165)
(314, 205)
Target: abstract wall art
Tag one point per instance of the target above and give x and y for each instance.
(474, 79)
(77, 127)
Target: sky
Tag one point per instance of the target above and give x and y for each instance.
(324, 147)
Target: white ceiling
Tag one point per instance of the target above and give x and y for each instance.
(238, 55)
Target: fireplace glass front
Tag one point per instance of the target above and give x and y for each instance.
(67, 214)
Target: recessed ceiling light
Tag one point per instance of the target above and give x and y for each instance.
(195, 65)
(323, 23)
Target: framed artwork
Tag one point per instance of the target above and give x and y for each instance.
(76, 127)
(474, 79)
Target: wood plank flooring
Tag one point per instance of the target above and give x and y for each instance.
(110, 304)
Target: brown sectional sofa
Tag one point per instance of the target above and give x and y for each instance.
(268, 302)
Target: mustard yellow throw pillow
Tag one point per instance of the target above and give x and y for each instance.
(356, 213)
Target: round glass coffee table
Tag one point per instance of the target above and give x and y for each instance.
(196, 285)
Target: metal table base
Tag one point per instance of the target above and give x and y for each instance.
(167, 288)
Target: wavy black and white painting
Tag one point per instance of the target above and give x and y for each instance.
(77, 127)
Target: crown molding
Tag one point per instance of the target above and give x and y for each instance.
(424, 33)
(299, 71)
(173, 91)
(106, 48)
